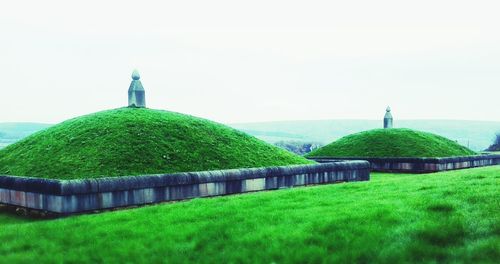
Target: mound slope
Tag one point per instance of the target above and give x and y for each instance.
(396, 142)
(135, 141)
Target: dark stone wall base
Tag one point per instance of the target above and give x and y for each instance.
(421, 165)
(76, 196)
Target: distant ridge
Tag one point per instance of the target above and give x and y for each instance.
(11, 132)
(477, 135)
(15, 129)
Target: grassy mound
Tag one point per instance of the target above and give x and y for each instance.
(447, 217)
(396, 142)
(134, 141)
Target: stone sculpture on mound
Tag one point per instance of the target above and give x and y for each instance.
(388, 118)
(136, 93)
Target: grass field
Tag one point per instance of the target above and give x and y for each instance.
(394, 142)
(135, 141)
(442, 217)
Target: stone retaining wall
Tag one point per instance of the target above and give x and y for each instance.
(422, 165)
(75, 196)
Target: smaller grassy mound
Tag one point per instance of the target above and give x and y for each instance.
(395, 142)
(135, 141)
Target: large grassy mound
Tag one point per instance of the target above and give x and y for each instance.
(134, 141)
(447, 217)
(396, 142)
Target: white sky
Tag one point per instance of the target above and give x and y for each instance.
(242, 61)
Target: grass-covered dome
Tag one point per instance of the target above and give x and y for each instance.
(135, 141)
(395, 142)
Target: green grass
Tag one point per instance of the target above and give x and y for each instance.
(134, 141)
(395, 142)
(443, 217)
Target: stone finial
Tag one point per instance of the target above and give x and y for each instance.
(388, 118)
(136, 75)
(136, 93)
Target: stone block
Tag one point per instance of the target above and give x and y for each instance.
(105, 200)
(120, 198)
(149, 196)
(18, 198)
(271, 183)
(252, 185)
(4, 196)
(53, 203)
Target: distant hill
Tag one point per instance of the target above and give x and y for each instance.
(12, 132)
(394, 142)
(477, 135)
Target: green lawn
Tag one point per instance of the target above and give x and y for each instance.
(394, 142)
(442, 217)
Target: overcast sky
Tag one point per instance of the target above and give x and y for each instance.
(243, 61)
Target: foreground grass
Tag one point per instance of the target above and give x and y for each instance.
(135, 141)
(441, 217)
(394, 142)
